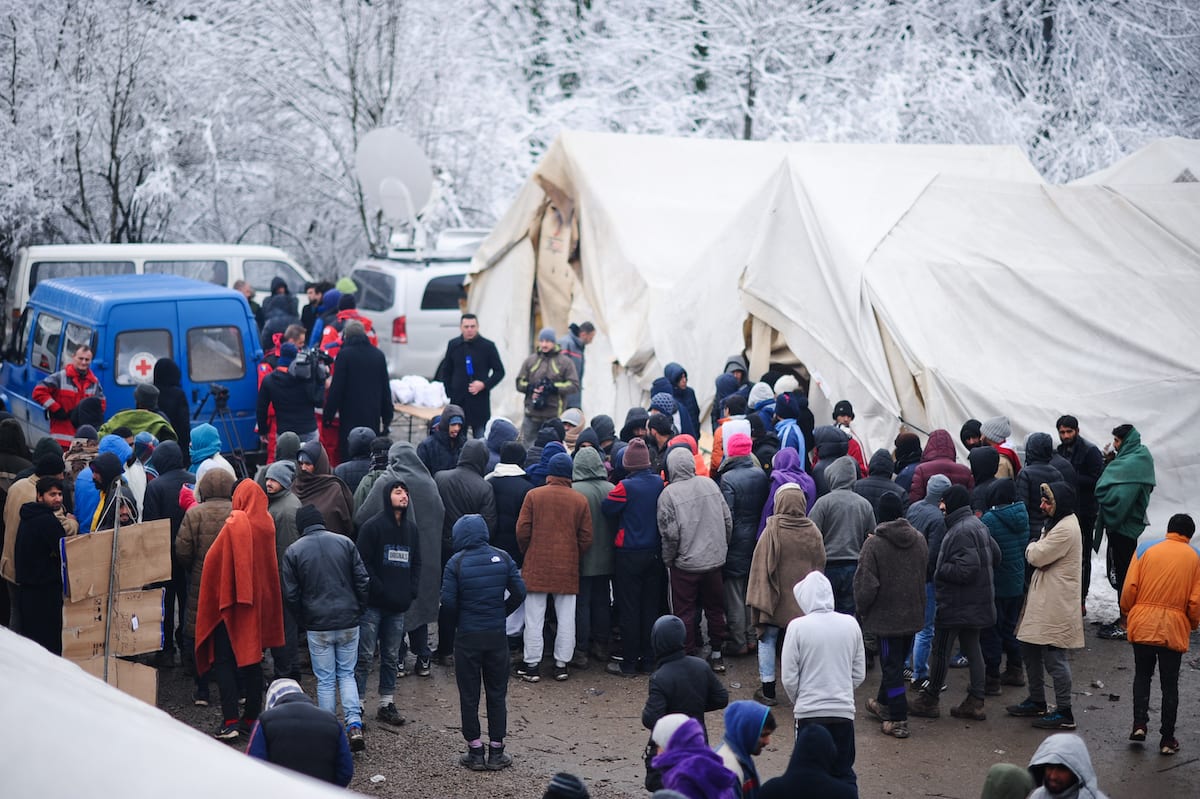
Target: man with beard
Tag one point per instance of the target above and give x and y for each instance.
(546, 379)
(470, 370)
(38, 568)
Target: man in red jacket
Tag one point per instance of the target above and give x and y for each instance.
(63, 390)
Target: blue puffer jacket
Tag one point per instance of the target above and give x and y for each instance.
(476, 577)
(87, 496)
(1009, 525)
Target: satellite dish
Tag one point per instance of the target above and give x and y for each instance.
(395, 173)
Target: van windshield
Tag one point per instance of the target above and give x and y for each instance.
(215, 353)
(47, 270)
(136, 353)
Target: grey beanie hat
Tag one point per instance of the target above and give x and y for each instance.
(996, 429)
(546, 334)
(936, 488)
(282, 472)
(145, 395)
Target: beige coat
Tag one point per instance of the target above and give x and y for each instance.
(1051, 615)
(19, 493)
(791, 546)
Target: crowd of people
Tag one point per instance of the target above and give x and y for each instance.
(625, 548)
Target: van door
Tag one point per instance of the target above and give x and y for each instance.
(43, 343)
(220, 351)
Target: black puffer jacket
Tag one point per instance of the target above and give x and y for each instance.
(1037, 470)
(392, 556)
(438, 451)
(680, 683)
(463, 490)
(298, 735)
(476, 578)
(879, 482)
(830, 444)
(963, 579)
(744, 485)
(324, 580)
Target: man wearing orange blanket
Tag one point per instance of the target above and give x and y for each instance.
(240, 609)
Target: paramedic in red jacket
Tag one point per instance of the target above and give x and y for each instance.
(61, 391)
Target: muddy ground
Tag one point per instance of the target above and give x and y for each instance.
(590, 725)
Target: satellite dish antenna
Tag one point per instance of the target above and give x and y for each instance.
(395, 174)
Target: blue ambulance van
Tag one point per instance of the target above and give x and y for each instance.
(130, 321)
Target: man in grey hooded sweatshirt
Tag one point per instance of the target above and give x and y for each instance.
(1062, 769)
(845, 520)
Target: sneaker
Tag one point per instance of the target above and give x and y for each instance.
(896, 729)
(473, 759)
(358, 741)
(228, 731)
(616, 669)
(560, 672)
(717, 662)
(200, 698)
(1139, 733)
(528, 672)
(423, 667)
(1055, 720)
(878, 711)
(246, 726)
(496, 759)
(389, 715)
(1027, 708)
(908, 674)
(1111, 632)
(401, 671)
(763, 699)
(1168, 746)
(958, 662)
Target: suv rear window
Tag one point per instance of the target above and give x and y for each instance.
(136, 353)
(443, 293)
(209, 271)
(376, 290)
(215, 353)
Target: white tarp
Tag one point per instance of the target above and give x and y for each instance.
(1171, 160)
(1033, 301)
(72, 735)
(668, 227)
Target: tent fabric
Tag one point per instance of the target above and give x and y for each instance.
(80, 737)
(667, 228)
(1169, 160)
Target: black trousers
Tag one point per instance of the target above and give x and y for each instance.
(447, 621)
(227, 674)
(285, 656)
(175, 598)
(638, 588)
(842, 732)
(41, 608)
(1087, 528)
(1145, 657)
(482, 658)
(1121, 548)
(893, 649)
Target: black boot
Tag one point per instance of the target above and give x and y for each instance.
(496, 758)
(473, 759)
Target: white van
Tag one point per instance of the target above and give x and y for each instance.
(415, 300)
(222, 264)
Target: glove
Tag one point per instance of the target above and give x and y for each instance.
(61, 413)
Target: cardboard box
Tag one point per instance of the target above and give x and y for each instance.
(144, 558)
(137, 627)
(133, 678)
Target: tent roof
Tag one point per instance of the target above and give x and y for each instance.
(1170, 160)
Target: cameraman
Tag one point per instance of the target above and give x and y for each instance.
(546, 379)
(285, 404)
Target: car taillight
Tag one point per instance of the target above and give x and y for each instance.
(400, 330)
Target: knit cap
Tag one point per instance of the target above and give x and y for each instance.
(49, 465)
(761, 392)
(664, 403)
(561, 466)
(996, 429)
(282, 472)
(512, 453)
(843, 408)
(309, 516)
(972, 428)
(279, 689)
(636, 455)
(739, 444)
(785, 384)
(566, 786)
(287, 353)
(145, 395)
(956, 497)
(666, 727)
(346, 285)
(890, 507)
(935, 488)
(546, 334)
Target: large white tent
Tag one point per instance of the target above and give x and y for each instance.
(929, 283)
(1170, 160)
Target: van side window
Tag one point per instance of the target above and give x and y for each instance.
(376, 290)
(78, 336)
(215, 353)
(259, 275)
(209, 271)
(136, 352)
(47, 336)
(443, 293)
(46, 270)
(20, 339)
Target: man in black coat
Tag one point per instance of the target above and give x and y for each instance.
(470, 370)
(360, 392)
(439, 451)
(1088, 462)
(162, 502)
(680, 683)
(38, 567)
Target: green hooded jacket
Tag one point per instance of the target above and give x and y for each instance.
(1123, 490)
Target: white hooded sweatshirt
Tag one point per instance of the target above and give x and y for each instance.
(823, 658)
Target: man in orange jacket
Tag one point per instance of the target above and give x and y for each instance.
(61, 392)
(1161, 597)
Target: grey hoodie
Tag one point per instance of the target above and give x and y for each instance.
(693, 518)
(844, 518)
(1069, 750)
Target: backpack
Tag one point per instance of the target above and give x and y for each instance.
(309, 368)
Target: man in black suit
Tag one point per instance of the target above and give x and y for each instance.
(470, 370)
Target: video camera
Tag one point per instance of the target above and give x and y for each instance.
(541, 391)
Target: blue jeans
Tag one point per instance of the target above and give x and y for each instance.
(387, 629)
(923, 641)
(768, 641)
(334, 653)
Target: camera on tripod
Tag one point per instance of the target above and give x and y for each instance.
(220, 395)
